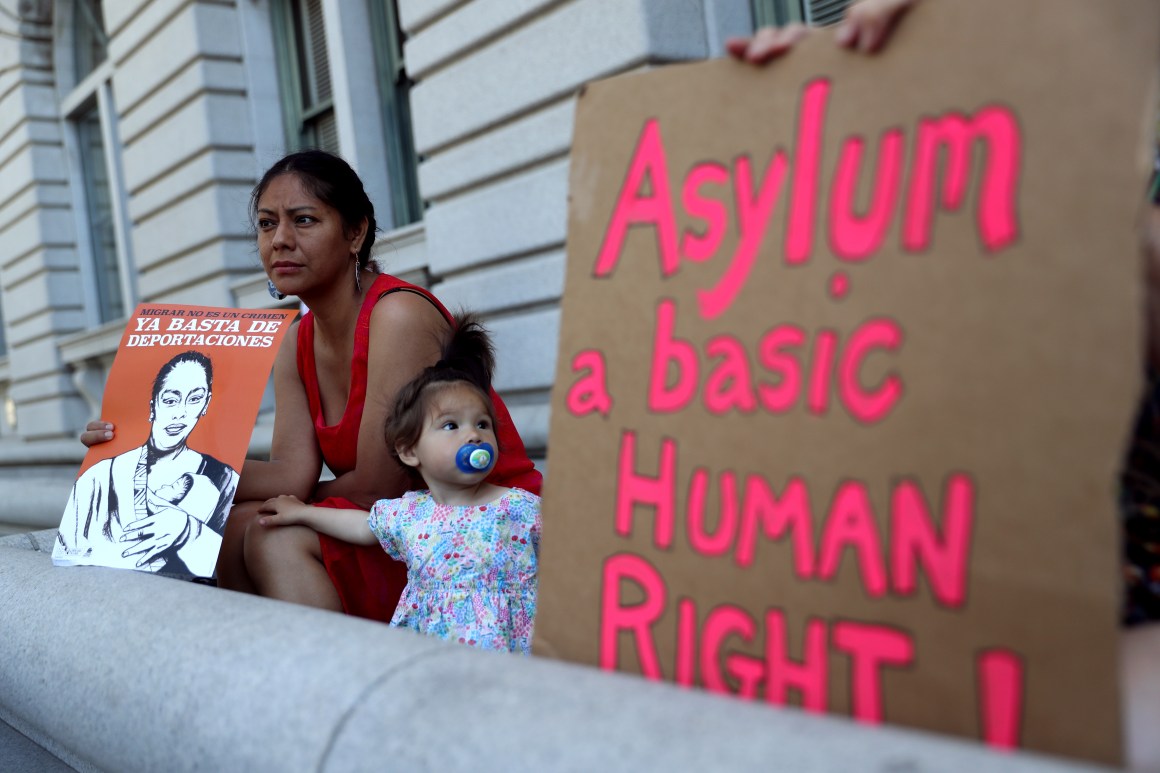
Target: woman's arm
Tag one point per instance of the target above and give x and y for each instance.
(406, 336)
(347, 525)
(295, 461)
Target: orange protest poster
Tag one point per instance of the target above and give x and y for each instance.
(183, 395)
(850, 351)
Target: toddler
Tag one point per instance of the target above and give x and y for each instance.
(471, 547)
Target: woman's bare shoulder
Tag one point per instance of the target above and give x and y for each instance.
(404, 312)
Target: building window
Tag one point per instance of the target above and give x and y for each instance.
(339, 115)
(304, 71)
(394, 92)
(87, 108)
(813, 12)
(99, 208)
(89, 44)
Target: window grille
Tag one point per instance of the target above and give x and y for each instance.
(304, 67)
(814, 12)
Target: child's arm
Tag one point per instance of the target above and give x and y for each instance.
(346, 525)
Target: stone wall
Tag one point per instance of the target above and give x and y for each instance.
(121, 671)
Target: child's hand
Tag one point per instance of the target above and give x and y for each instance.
(286, 510)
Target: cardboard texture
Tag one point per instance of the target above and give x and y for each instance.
(849, 354)
(183, 394)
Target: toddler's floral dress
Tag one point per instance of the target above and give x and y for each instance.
(471, 571)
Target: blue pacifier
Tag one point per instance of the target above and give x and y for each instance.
(474, 457)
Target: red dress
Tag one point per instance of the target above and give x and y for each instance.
(368, 581)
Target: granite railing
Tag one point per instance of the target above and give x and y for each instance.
(121, 671)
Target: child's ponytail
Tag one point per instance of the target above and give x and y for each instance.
(468, 356)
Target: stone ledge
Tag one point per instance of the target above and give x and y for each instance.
(33, 502)
(18, 754)
(37, 541)
(116, 670)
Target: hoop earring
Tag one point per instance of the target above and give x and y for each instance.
(357, 271)
(274, 292)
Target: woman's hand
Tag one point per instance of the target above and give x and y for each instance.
(97, 432)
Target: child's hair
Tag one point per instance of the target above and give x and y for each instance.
(468, 358)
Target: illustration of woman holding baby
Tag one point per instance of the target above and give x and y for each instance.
(160, 507)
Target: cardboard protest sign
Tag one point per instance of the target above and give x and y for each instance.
(849, 354)
(183, 395)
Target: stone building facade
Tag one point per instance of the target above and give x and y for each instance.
(132, 131)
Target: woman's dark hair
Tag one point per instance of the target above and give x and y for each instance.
(329, 179)
(191, 356)
(468, 358)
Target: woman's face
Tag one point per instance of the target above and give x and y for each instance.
(302, 240)
(182, 400)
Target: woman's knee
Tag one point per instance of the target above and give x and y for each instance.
(271, 549)
(242, 515)
(232, 573)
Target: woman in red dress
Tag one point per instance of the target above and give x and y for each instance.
(335, 379)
